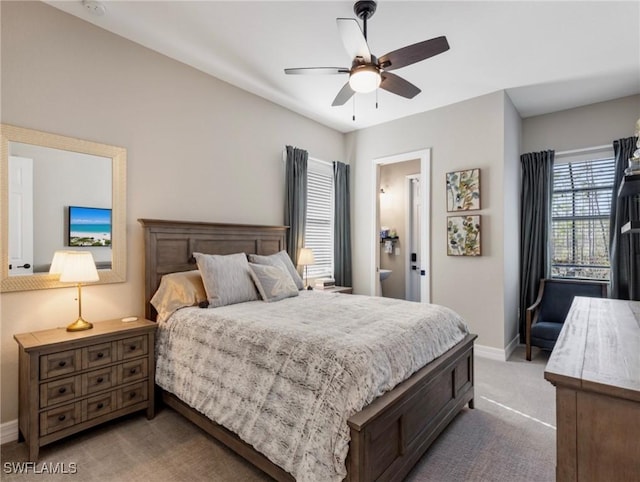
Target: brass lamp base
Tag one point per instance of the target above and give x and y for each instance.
(79, 325)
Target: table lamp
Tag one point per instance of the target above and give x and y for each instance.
(305, 258)
(75, 267)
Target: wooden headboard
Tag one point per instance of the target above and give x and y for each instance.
(169, 247)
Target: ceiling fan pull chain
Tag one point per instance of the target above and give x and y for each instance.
(377, 98)
(354, 108)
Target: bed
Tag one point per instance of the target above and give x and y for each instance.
(390, 434)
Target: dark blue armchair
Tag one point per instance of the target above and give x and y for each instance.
(544, 318)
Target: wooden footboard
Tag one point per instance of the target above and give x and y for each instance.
(390, 435)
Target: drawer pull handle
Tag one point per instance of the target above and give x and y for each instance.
(99, 406)
(61, 418)
(100, 355)
(62, 363)
(132, 371)
(132, 394)
(99, 380)
(61, 390)
(132, 347)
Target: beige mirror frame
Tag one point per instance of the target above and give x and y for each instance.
(118, 156)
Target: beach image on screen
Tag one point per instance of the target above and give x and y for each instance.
(89, 226)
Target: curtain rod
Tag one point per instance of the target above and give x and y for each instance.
(284, 159)
(585, 149)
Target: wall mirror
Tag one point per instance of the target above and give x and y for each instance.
(59, 193)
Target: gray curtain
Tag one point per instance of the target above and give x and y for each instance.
(624, 249)
(342, 225)
(295, 209)
(535, 226)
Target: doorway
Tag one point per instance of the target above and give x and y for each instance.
(401, 252)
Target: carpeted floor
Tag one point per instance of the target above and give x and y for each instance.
(509, 436)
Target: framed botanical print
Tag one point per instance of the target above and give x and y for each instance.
(463, 235)
(463, 190)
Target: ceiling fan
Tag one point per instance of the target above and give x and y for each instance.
(367, 72)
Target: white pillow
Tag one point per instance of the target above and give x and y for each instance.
(279, 259)
(274, 284)
(226, 278)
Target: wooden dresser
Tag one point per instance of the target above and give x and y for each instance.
(595, 367)
(70, 381)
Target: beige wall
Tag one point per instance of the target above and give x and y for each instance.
(589, 126)
(198, 148)
(466, 135)
(393, 212)
(511, 220)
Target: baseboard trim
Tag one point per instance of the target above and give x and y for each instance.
(511, 347)
(489, 352)
(9, 431)
(496, 353)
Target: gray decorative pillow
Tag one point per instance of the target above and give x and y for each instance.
(278, 259)
(273, 283)
(226, 278)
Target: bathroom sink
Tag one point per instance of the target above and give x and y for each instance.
(384, 274)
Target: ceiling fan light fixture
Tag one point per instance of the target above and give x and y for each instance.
(365, 78)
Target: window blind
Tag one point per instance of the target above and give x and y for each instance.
(580, 209)
(319, 222)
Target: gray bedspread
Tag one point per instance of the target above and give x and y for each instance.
(286, 376)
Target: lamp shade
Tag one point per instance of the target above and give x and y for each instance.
(57, 262)
(365, 78)
(306, 257)
(78, 267)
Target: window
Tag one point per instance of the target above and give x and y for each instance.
(318, 233)
(580, 209)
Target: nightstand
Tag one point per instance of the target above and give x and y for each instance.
(338, 289)
(70, 381)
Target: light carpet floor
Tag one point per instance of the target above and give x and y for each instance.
(509, 436)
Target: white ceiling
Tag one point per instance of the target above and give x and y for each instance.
(548, 55)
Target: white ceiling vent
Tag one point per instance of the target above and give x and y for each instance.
(94, 7)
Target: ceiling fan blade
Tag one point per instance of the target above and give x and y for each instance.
(353, 39)
(344, 95)
(413, 53)
(397, 85)
(317, 70)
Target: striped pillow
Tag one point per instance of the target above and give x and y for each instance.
(226, 278)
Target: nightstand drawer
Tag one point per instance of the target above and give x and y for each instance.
(99, 405)
(132, 371)
(59, 418)
(59, 391)
(133, 394)
(61, 363)
(98, 355)
(99, 380)
(133, 347)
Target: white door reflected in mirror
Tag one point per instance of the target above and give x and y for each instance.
(20, 215)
